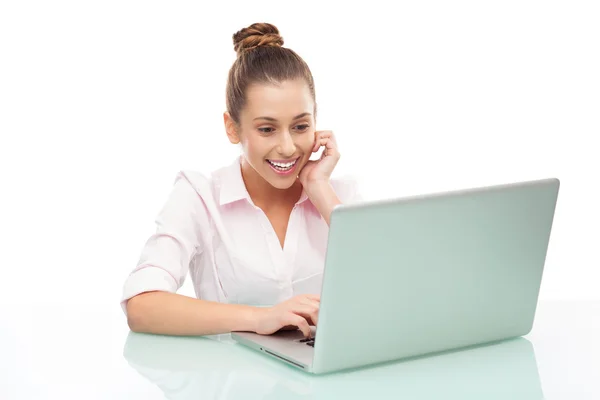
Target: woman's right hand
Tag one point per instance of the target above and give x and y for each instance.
(299, 311)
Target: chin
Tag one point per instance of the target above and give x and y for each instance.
(281, 181)
(282, 185)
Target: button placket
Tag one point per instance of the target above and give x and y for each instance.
(277, 258)
(291, 241)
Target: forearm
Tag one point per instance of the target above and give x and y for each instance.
(324, 198)
(174, 314)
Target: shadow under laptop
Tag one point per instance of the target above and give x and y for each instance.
(217, 368)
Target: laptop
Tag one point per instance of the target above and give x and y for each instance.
(424, 274)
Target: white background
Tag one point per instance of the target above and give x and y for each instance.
(101, 103)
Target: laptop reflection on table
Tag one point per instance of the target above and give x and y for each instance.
(202, 367)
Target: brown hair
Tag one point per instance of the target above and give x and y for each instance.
(262, 59)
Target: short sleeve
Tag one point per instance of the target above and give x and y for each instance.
(166, 255)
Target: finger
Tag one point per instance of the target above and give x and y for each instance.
(319, 136)
(300, 322)
(332, 137)
(325, 133)
(304, 309)
(310, 302)
(316, 297)
(317, 144)
(289, 328)
(330, 147)
(312, 316)
(310, 313)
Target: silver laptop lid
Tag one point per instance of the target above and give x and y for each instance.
(432, 272)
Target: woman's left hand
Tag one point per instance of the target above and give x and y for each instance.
(320, 170)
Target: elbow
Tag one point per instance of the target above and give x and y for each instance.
(134, 324)
(135, 314)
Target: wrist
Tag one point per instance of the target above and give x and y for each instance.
(319, 187)
(253, 317)
(244, 318)
(323, 196)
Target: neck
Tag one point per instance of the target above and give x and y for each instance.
(263, 194)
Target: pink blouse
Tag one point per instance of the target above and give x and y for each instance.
(210, 227)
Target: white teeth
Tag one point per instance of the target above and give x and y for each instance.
(280, 165)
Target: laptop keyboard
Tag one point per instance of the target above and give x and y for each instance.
(308, 341)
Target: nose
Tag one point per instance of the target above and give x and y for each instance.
(287, 147)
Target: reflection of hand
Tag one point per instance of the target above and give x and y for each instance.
(321, 169)
(299, 311)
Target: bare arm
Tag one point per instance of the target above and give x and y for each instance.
(153, 305)
(323, 197)
(168, 313)
(174, 314)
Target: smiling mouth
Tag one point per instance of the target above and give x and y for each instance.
(283, 166)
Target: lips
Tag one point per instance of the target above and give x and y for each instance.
(283, 167)
(283, 163)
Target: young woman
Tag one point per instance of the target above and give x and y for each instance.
(253, 229)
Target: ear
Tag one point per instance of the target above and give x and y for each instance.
(231, 128)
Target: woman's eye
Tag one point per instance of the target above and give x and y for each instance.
(300, 128)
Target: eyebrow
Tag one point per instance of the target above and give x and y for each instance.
(274, 120)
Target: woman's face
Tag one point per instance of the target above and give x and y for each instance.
(277, 130)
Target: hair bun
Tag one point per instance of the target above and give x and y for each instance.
(257, 34)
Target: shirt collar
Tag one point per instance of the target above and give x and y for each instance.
(232, 184)
(233, 188)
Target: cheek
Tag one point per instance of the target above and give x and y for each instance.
(306, 142)
(253, 147)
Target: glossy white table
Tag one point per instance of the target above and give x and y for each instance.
(59, 351)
